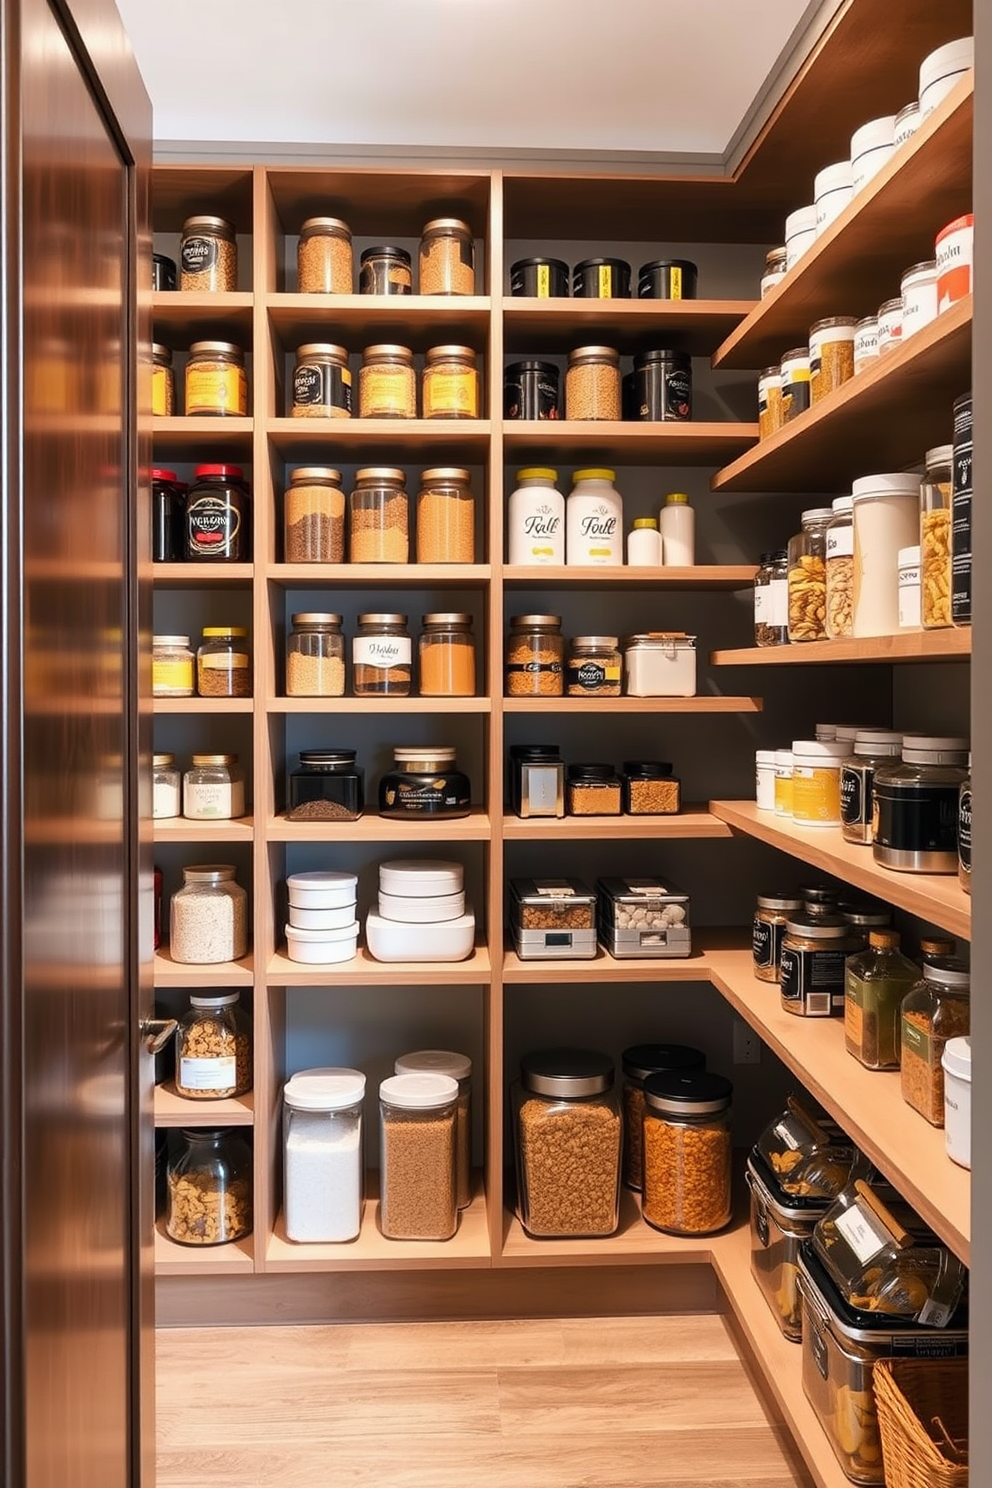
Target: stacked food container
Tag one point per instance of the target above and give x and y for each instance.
(422, 913)
(323, 922)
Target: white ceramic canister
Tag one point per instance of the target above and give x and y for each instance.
(956, 1064)
(536, 520)
(764, 769)
(865, 342)
(800, 234)
(321, 919)
(955, 254)
(644, 546)
(594, 520)
(322, 890)
(919, 297)
(941, 70)
(890, 325)
(323, 1155)
(886, 519)
(413, 911)
(322, 947)
(832, 190)
(452, 940)
(910, 593)
(421, 878)
(907, 122)
(871, 147)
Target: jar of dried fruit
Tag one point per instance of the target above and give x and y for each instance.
(315, 656)
(687, 1152)
(839, 620)
(535, 657)
(936, 499)
(213, 1047)
(380, 516)
(324, 256)
(807, 576)
(447, 258)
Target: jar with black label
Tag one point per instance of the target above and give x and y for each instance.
(216, 381)
(964, 832)
(667, 279)
(872, 747)
(537, 780)
(385, 271)
(327, 786)
(208, 255)
(593, 668)
(218, 516)
(535, 657)
(531, 390)
(321, 382)
(768, 931)
(539, 278)
(425, 782)
(811, 975)
(601, 279)
(168, 517)
(663, 386)
(381, 655)
(916, 806)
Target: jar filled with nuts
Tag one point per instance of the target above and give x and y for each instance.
(315, 656)
(807, 576)
(387, 383)
(936, 499)
(208, 255)
(687, 1152)
(535, 657)
(592, 383)
(447, 258)
(213, 1047)
(839, 620)
(208, 1189)
(324, 257)
(380, 516)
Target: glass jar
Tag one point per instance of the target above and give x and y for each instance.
(794, 382)
(774, 269)
(650, 789)
(535, 657)
(537, 780)
(450, 383)
(567, 1140)
(324, 258)
(168, 517)
(531, 390)
(535, 520)
(322, 1150)
(218, 516)
(425, 782)
(807, 576)
(216, 381)
(208, 255)
(862, 917)
(172, 666)
(811, 975)
(875, 983)
(209, 1188)
(593, 667)
(214, 788)
(327, 786)
(839, 619)
(315, 656)
(638, 1063)
(872, 747)
(816, 782)
(223, 662)
(208, 916)
(831, 354)
(964, 832)
(445, 516)
(213, 1047)
(385, 270)
(166, 786)
(771, 599)
(768, 931)
(163, 381)
(936, 501)
(457, 1067)
(381, 656)
(593, 790)
(916, 806)
(313, 529)
(447, 656)
(447, 258)
(865, 342)
(380, 516)
(321, 382)
(938, 1008)
(594, 520)
(687, 1152)
(769, 402)
(387, 383)
(592, 383)
(418, 1116)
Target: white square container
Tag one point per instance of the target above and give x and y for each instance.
(322, 947)
(322, 890)
(421, 878)
(660, 665)
(387, 940)
(322, 919)
(407, 910)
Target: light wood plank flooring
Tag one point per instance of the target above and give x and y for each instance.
(578, 1403)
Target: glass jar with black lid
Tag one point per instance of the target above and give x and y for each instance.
(601, 279)
(385, 270)
(532, 390)
(638, 1063)
(663, 386)
(687, 1152)
(326, 786)
(168, 517)
(916, 805)
(650, 788)
(539, 278)
(811, 977)
(218, 516)
(425, 782)
(592, 790)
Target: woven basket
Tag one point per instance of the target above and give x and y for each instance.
(921, 1403)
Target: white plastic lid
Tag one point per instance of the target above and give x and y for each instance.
(418, 877)
(434, 1061)
(783, 756)
(956, 1058)
(846, 733)
(909, 557)
(322, 937)
(934, 749)
(765, 756)
(165, 642)
(953, 56)
(213, 999)
(836, 177)
(326, 1089)
(842, 503)
(873, 135)
(825, 732)
(803, 219)
(319, 879)
(817, 514)
(819, 751)
(895, 483)
(418, 1092)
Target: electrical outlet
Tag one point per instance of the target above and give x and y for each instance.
(747, 1044)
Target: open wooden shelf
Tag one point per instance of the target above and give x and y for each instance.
(200, 438)
(691, 821)
(178, 829)
(635, 1243)
(578, 443)
(417, 321)
(935, 897)
(371, 827)
(217, 705)
(234, 1259)
(702, 576)
(202, 575)
(606, 970)
(379, 575)
(533, 326)
(169, 973)
(429, 441)
(369, 706)
(173, 1109)
(365, 971)
(953, 643)
(606, 705)
(182, 316)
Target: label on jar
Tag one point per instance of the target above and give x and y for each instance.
(919, 1041)
(812, 982)
(592, 676)
(208, 1074)
(854, 1011)
(451, 393)
(223, 661)
(605, 282)
(213, 524)
(678, 395)
(422, 797)
(766, 943)
(865, 344)
(197, 255)
(855, 795)
(862, 1233)
(383, 652)
(322, 385)
(964, 830)
(921, 818)
(160, 390)
(840, 542)
(543, 523)
(215, 801)
(675, 282)
(220, 390)
(539, 789)
(172, 676)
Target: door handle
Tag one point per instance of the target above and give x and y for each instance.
(156, 1032)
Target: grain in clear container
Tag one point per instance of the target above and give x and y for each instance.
(535, 657)
(592, 383)
(445, 516)
(315, 655)
(831, 354)
(687, 1152)
(313, 516)
(770, 402)
(638, 1063)
(447, 257)
(450, 383)
(208, 255)
(457, 1067)
(418, 1116)
(324, 256)
(447, 656)
(380, 516)
(321, 382)
(223, 662)
(208, 916)
(936, 511)
(387, 383)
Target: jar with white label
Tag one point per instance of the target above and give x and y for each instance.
(382, 656)
(771, 599)
(770, 402)
(910, 591)
(816, 782)
(865, 343)
(889, 325)
(214, 788)
(941, 69)
(166, 787)
(886, 518)
(172, 666)
(783, 783)
(831, 354)
(213, 1047)
(594, 520)
(919, 297)
(536, 520)
(764, 779)
(840, 569)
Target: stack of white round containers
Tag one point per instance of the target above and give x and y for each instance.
(323, 922)
(422, 913)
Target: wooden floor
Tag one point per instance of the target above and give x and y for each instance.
(590, 1403)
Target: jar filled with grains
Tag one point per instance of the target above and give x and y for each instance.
(808, 576)
(592, 383)
(687, 1152)
(418, 1116)
(172, 666)
(223, 662)
(592, 790)
(770, 402)
(216, 381)
(380, 516)
(593, 667)
(447, 656)
(208, 255)
(839, 561)
(213, 1047)
(214, 788)
(457, 1067)
(324, 256)
(322, 1136)
(321, 382)
(794, 379)
(387, 383)
(314, 516)
(535, 657)
(445, 516)
(768, 931)
(381, 656)
(831, 354)
(208, 1188)
(936, 501)
(315, 656)
(163, 381)
(385, 270)
(638, 1063)
(938, 1008)
(650, 788)
(166, 787)
(450, 384)
(209, 916)
(327, 786)
(447, 258)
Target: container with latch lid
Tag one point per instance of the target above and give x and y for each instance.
(643, 917)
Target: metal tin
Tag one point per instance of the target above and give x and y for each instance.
(601, 279)
(667, 279)
(539, 278)
(537, 780)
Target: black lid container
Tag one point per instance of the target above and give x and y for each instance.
(163, 272)
(601, 279)
(532, 390)
(663, 386)
(667, 279)
(539, 278)
(327, 786)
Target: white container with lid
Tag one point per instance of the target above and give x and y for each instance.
(954, 248)
(764, 764)
(406, 910)
(832, 190)
(865, 342)
(323, 1155)
(941, 70)
(825, 733)
(322, 947)
(594, 520)
(816, 781)
(656, 664)
(800, 234)
(452, 940)
(907, 122)
(321, 919)
(919, 297)
(783, 783)
(956, 1064)
(322, 890)
(536, 519)
(890, 325)
(871, 147)
(886, 518)
(910, 594)
(421, 878)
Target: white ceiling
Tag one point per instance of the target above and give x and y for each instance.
(486, 75)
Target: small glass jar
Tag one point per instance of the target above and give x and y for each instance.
(213, 1047)
(863, 917)
(208, 255)
(593, 667)
(172, 667)
(322, 1151)
(381, 656)
(916, 805)
(321, 382)
(324, 258)
(687, 1152)
(537, 780)
(871, 748)
(216, 381)
(936, 502)
(223, 662)
(387, 383)
(385, 271)
(314, 506)
(535, 657)
(447, 258)
(938, 1008)
(831, 354)
(380, 516)
(445, 516)
(592, 383)
(450, 383)
(168, 517)
(774, 269)
(567, 1140)
(771, 599)
(638, 1063)
(816, 782)
(650, 789)
(876, 982)
(457, 1067)
(425, 782)
(218, 516)
(964, 832)
(807, 576)
(447, 656)
(163, 381)
(768, 931)
(593, 790)
(418, 1118)
(811, 974)
(214, 788)
(839, 619)
(209, 1188)
(889, 320)
(315, 656)
(167, 796)
(865, 343)
(794, 380)
(327, 786)
(770, 402)
(208, 916)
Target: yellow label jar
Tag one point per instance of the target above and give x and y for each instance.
(216, 382)
(816, 782)
(783, 782)
(387, 383)
(450, 383)
(172, 666)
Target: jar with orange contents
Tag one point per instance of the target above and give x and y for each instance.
(447, 656)
(445, 516)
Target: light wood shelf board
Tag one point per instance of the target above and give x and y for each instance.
(234, 1259)
(371, 827)
(366, 971)
(635, 1243)
(202, 575)
(182, 438)
(621, 443)
(692, 821)
(169, 973)
(430, 441)
(605, 970)
(697, 326)
(202, 705)
(369, 706)
(605, 706)
(950, 644)
(379, 575)
(182, 316)
(421, 320)
(173, 1110)
(178, 829)
(702, 576)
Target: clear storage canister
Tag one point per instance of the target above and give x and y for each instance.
(385, 270)
(593, 667)
(380, 516)
(418, 1197)
(457, 1067)
(771, 599)
(768, 931)
(387, 383)
(381, 655)
(314, 516)
(315, 656)
(208, 255)
(216, 381)
(450, 383)
(916, 805)
(447, 656)
(447, 258)
(445, 516)
(166, 787)
(638, 1063)
(687, 1152)
(938, 1008)
(209, 916)
(794, 379)
(321, 382)
(324, 258)
(831, 354)
(839, 618)
(936, 502)
(535, 657)
(223, 662)
(567, 1130)
(172, 666)
(213, 1047)
(865, 342)
(808, 576)
(214, 788)
(592, 383)
(872, 747)
(209, 1188)
(323, 1174)
(327, 786)
(770, 402)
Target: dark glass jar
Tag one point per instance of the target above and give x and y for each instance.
(601, 279)
(385, 270)
(168, 517)
(539, 278)
(425, 782)
(537, 780)
(532, 390)
(667, 279)
(218, 516)
(663, 386)
(650, 789)
(327, 786)
(638, 1062)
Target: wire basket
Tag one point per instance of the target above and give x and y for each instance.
(923, 1421)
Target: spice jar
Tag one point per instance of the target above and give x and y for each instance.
(865, 342)
(638, 1063)
(771, 599)
(380, 516)
(775, 267)
(447, 258)
(916, 805)
(593, 667)
(381, 656)
(875, 983)
(764, 779)
(214, 788)
(418, 1116)
(450, 383)
(663, 386)
(216, 382)
(163, 381)
(209, 916)
(425, 782)
(592, 790)
(208, 255)
(315, 656)
(208, 1188)
(807, 576)
(594, 520)
(831, 354)
(327, 786)
(938, 1008)
(964, 832)
(919, 297)
(592, 383)
(889, 325)
(531, 390)
(447, 656)
(537, 780)
(768, 930)
(871, 748)
(535, 656)
(567, 1143)
(811, 976)
(166, 786)
(601, 279)
(314, 516)
(322, 1148)
(321, 382)
(687, 1152)
(323, 256)
(536, 520)
(168, 517)
(385, 270)
(172, 666)
(839, 619)
(650, 789)
(936, 502)
(445, 516)
(770, 402)
(457, 1067)
(213, 1047)
(218, 516)
(223, 662)
(387, 383)
(794, 379)
(539, 278)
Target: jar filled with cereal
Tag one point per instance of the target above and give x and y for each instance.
(535, 657)
(839, 620)
(213, 1047)
(640, 1062)
(936, 498)
(324, 257)
(592, 383)
(447, 258)
(937, 1009)
(687, 1152)
(807, 576)
(208, 1188)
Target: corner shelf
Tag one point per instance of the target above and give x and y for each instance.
(696, 326)
(691, 822)
(576, 443)
(953, 643)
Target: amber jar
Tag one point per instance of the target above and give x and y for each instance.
(324, 257)
(445, 517)
(447, 258)
(387, 383)
(450, 384)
